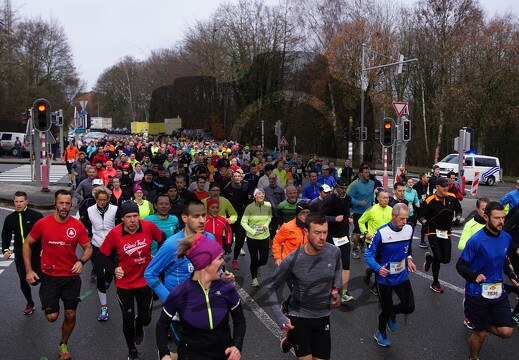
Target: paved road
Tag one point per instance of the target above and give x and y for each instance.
(434, 331)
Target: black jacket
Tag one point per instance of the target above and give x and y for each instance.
(12, 226)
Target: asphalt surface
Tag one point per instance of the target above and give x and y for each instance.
(434, 331)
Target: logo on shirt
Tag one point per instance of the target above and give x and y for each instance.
(136, 247)
(71, 233)
(218, 293)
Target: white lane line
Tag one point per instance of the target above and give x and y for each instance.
(262, 315)
(6, 263)
(444, 283)
(1, 271)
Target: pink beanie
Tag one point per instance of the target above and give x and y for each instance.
(203, 251)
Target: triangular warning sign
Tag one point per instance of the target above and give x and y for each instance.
(283, 141)
(400, 107)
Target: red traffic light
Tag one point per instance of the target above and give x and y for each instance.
(387, 125)
(42, 108)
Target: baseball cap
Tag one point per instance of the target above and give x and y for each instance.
(97, 182)
(326, 188)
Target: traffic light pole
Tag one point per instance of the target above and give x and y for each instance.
(44, 168)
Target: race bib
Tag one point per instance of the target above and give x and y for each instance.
(442, 234)
(397, 267)
(259, 229)
(71, 161)
(299, 171)
(340, 241)
(491, 290)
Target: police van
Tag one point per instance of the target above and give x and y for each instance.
(8, 139)
(488, 167)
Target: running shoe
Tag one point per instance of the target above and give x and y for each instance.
(285, 345)
(468, 324)
(381, 339)
(423, 245)
(235, 265)
(254, 282)
(133, 354)
(436, 288)
(242, 252)
(374, 290)
(63, 352)
(69, 184)
(428, 262)
(355, 253)
(104, 314)
(515, 318)
(367, 275)
(391, 323)
(345, 298)
(29, 309)
(284, 307)
(139, 334)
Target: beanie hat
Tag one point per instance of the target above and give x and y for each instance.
(302, 205)
(129, 207)
(203, 251)
(211, 202)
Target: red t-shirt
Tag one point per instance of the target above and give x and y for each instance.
(133, 250)
(59, 242)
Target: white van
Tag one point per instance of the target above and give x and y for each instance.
(488, 167)
(8, 139)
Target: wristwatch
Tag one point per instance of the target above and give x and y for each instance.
(81, 261)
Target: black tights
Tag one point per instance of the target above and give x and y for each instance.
(143, 296)
(404, 291)
(259, 254)
(441, 251)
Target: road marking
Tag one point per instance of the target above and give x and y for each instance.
(85, 295)
(1, 271)
(6, 263)
(23, 174)
(444, 283)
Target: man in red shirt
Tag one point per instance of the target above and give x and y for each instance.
(59, 235)
(132, 241)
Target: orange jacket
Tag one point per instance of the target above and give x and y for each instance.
(288, 238)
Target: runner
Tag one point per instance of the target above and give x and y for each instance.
(20, 223)
(307, 324)
(131, 241)
(437, 213)
(59, 234)
(481, 264)
(100, 219)
(203, 303)
(389, 255)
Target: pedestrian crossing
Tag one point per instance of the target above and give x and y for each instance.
(23, 174)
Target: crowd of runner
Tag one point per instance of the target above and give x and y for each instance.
(158, 215)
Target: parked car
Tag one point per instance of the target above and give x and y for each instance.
(489, 167)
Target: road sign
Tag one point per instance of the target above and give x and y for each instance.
(80, 131)
(83, 104)
(400, 107)
(283, 141)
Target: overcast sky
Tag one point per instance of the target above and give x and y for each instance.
(101, 32)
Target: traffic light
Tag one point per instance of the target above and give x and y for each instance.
(60, 121)
(406, 135)
(377, 134)
(363, 133)
(346, 132)
(42, 115)
(357, 133)
(388, 132)
(402, 65)
(258, 129)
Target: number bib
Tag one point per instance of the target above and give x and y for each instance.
(442, 234)
(259, 229)
(491, 290)
(396, 267)
(340, 241)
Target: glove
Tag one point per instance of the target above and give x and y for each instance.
(227, 249)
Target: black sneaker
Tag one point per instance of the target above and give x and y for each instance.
(428, 261)
(133, 354)
(367, 275)
(139, 334)
(285, 345)
(423, 245)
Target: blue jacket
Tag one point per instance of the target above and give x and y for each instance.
(165, 263)
(359, 191)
